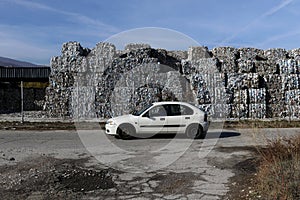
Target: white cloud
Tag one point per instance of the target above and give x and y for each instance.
(75, 17)
(36, 43)
(277, 8)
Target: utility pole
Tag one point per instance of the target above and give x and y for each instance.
(22, 103)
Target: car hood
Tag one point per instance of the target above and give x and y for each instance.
(123, 118)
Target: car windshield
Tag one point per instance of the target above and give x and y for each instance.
(137, 113)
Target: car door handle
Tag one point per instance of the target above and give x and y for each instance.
(162, 119)
(187, 118)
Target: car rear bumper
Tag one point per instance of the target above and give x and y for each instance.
(205, 126)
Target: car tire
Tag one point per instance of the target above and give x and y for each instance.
(126, 131)
(194, 131)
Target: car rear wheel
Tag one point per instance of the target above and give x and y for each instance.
(126, 131)
(194, 131)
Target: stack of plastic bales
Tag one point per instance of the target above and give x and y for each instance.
(227, 57)
(289, 70)
(257, 103)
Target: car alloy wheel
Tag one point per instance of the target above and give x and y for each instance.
(126, 131)
(194, 131)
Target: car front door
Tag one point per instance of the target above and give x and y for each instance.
(154, 120)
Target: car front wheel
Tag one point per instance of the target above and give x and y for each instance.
(126, 131)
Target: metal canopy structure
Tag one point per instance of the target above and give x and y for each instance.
(25, 73)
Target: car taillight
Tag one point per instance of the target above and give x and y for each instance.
(205, 117)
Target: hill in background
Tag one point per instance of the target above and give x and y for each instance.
(8, 62)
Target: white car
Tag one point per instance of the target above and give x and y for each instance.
(160, 117)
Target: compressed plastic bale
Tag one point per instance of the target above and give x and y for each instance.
(205, 65)
(229, 93)
(203, 96)
(83, 102)
(235, 81)
(255, 80)
(276, 111)
(227, 57)
(257, 96)
(244, 81)
(245, 66)
(293, 112)
(273, 81)
(179, 55)
(219, 95)
(292, 97)
(257, 111)
(206, 108)
(56, 64)
(202, 81)
(133, 46)
(216, 111)
(240, 96)
(289, 66)
(290, 82)
(265, 67)
(71, 49)
(239, 111)
(207, 86)
(275, 54)
(81, 64)
(196, 53)
(294, 54)
(174, 82)
(274, 96)
(220, 111)
(229, 53)
(247, 59)
(213, 80)
(251, 53)
(101, 56)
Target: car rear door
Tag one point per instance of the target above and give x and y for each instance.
(178, 118)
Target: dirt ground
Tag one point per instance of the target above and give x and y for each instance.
(51, 178)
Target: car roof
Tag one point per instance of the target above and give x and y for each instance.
(194, 107)
(171, 102)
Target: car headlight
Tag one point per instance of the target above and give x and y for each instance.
(111, 122)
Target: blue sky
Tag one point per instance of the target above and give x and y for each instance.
(34, 30)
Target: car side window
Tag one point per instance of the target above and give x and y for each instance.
(175, 110)
(186, 110)
(158, 111)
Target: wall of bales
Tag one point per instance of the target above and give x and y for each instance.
(227, 82)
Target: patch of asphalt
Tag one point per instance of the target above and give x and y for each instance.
(52, 178)
(189, 177)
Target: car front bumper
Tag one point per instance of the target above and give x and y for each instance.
(111, 129)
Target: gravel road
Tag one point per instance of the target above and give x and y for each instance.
(88, 164)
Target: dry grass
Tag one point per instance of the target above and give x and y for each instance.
(278, 175)
(261, 124)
